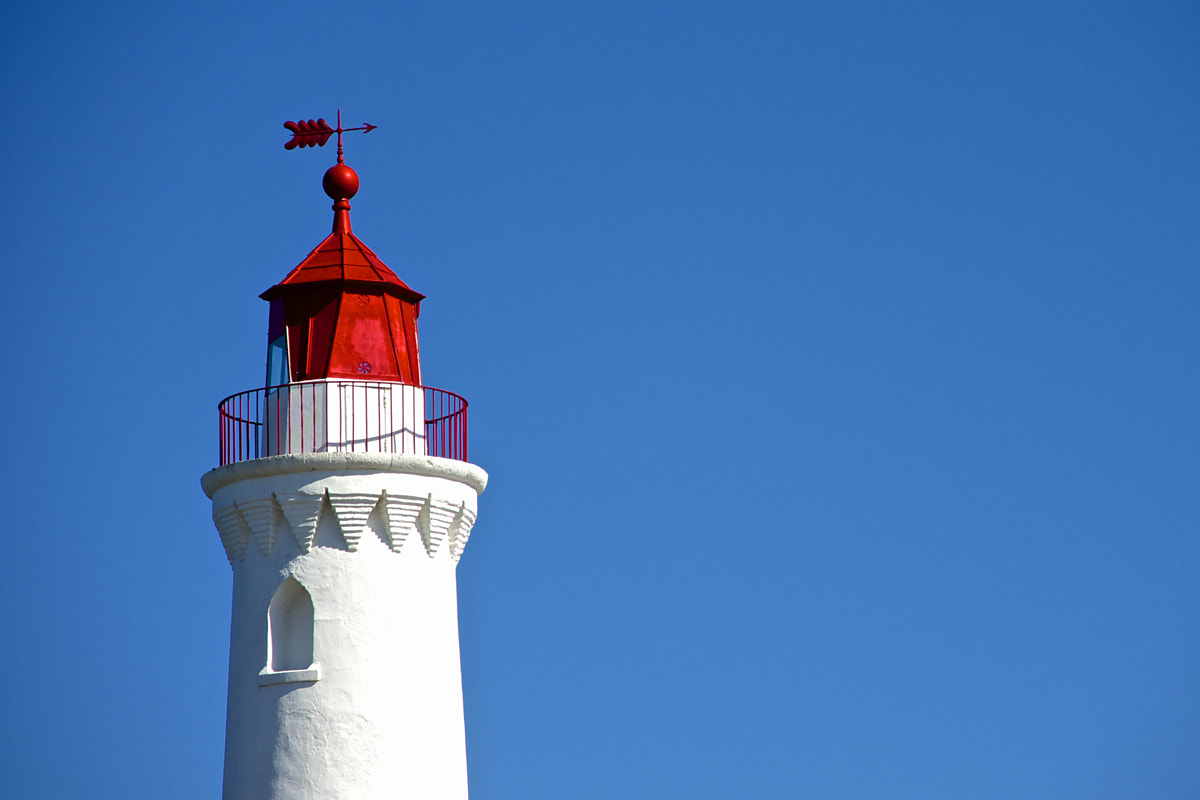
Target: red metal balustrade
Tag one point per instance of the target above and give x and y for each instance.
(342, 416)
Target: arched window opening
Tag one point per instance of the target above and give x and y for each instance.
(290, 628)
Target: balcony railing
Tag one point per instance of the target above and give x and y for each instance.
(331, 416)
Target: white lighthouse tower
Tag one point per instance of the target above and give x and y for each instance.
(344, 501)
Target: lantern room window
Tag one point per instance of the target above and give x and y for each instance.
(277, 362)
(277, 353)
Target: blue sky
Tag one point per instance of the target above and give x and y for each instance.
(834, 366)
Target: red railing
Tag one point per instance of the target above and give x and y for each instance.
(342, 416)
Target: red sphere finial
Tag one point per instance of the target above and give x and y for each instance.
(340, 182)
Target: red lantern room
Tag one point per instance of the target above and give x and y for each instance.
(341, 313)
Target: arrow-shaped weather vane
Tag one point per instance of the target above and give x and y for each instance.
(316, 132)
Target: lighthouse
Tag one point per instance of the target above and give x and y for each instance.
(344, 501)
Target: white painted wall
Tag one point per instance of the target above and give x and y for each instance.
(378, 713)
(333, 415)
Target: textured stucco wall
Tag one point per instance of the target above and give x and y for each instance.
(376, 549)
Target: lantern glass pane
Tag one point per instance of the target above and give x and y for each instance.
(277, 367)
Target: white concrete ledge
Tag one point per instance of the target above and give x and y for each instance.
(309, 675)
(431, 466)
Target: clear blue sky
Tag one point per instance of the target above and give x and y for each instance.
(834, 364)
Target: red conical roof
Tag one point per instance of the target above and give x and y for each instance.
(343, 257)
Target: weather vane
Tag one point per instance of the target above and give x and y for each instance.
(316, 132)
